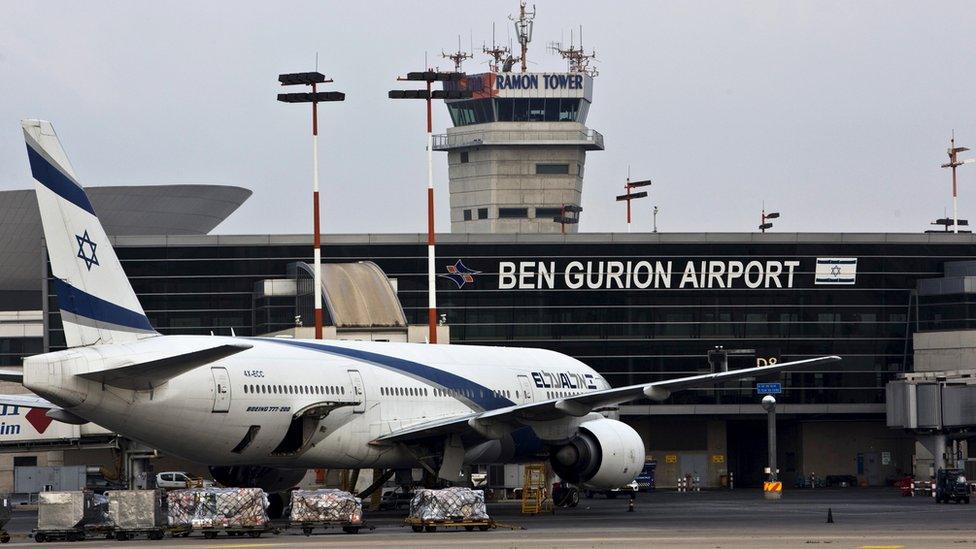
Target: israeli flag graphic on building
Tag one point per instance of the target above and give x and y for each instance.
(836, 270)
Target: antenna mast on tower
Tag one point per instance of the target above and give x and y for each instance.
(501, 56)
(457, 57)
(523, 30)
(578, 59)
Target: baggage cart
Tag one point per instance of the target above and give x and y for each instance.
(308, 527)
(238, 531)
(431, 525)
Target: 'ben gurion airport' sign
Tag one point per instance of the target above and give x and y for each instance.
(690, 274)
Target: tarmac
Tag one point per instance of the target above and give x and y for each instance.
(863, 519)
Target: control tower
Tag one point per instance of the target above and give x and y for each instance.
(517, 150)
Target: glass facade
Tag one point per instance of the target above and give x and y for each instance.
(634, 311)
(481, 111)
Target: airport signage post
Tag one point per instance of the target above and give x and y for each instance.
(772, 488)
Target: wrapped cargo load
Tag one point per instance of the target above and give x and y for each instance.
(68, 510)
(136, 509)
(180, 507)
(325, 505)
(449, 504)
(218, 508)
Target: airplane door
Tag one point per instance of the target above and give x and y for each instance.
(526, 392)
(358, 391)
(221, 390)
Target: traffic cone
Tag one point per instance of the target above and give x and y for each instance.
(830, 516)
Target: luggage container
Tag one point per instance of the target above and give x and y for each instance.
(71, 516)
(137, 513)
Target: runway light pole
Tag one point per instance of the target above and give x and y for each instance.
(430, 76)
(312, 79)
(954, 163)
(632, 196)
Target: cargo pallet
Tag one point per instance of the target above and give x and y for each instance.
(125, 534)
(252, 531)
(431, 525)
(348, 527)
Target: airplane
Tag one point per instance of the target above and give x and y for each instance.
(261, 411)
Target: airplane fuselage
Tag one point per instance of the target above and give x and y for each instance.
(301, 403)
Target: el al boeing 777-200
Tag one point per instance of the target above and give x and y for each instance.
(261, 411)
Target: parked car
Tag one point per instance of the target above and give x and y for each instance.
(175, 480)
(951, 485)
(627, 490)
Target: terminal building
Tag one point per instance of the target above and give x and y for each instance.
(636, 307)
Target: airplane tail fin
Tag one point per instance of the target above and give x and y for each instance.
(96, 300)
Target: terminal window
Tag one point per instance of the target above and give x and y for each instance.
(547, 213)
(467, 215)
(481, 111)
(464, 157)
(538, 110)
(513, 213)
(552, 169)
(482, 213)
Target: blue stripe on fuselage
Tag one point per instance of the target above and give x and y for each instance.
(52, 178)
(475, 393)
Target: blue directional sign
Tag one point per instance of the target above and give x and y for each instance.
(769, 388)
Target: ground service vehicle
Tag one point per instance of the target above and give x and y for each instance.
(951, 485)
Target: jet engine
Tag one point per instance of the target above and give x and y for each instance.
(269, 479)
(605, 454)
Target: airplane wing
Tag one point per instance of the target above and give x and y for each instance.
(580, 405)
(146, 375)
(12, 374)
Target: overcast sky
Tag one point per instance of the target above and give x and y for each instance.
(837, 114)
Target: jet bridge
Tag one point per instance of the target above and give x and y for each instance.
(360, 302)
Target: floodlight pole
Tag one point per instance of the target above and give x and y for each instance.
(953, 164)
(317, 232)
(431, 235)
(430, 76)
(628, 203)
(312, 79)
